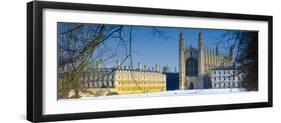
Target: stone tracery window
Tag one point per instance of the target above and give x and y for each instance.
(191, 67)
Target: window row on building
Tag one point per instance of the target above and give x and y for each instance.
(139, 89)
(99, 84)
(228, 78)
(141, 83)
(224, 72)
(140, 77)
(227, 85)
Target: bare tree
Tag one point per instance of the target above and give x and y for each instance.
(245, 44)
(77, 43)
(82, 45)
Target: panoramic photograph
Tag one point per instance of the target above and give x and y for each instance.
(114, 61)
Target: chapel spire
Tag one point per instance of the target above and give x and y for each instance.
(181, 62)
(200, 41)
(217, 50)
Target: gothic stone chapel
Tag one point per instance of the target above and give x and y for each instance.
(195, 64)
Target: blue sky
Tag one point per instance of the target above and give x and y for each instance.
(151, 50)
(159, 49)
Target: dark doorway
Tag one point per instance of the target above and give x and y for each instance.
(191, 85)
(207, 82)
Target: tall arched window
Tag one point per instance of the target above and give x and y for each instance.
(191, 67)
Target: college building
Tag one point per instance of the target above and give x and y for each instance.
(125, 80)
(227, 77)
(195, 64)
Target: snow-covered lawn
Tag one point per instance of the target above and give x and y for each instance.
(170, 93)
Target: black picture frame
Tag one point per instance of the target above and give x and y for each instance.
(35, 69)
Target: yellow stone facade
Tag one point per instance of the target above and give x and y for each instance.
(135, 81)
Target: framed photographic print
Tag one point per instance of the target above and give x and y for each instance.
(95, 61)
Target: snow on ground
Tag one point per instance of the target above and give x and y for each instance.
(171, 93)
